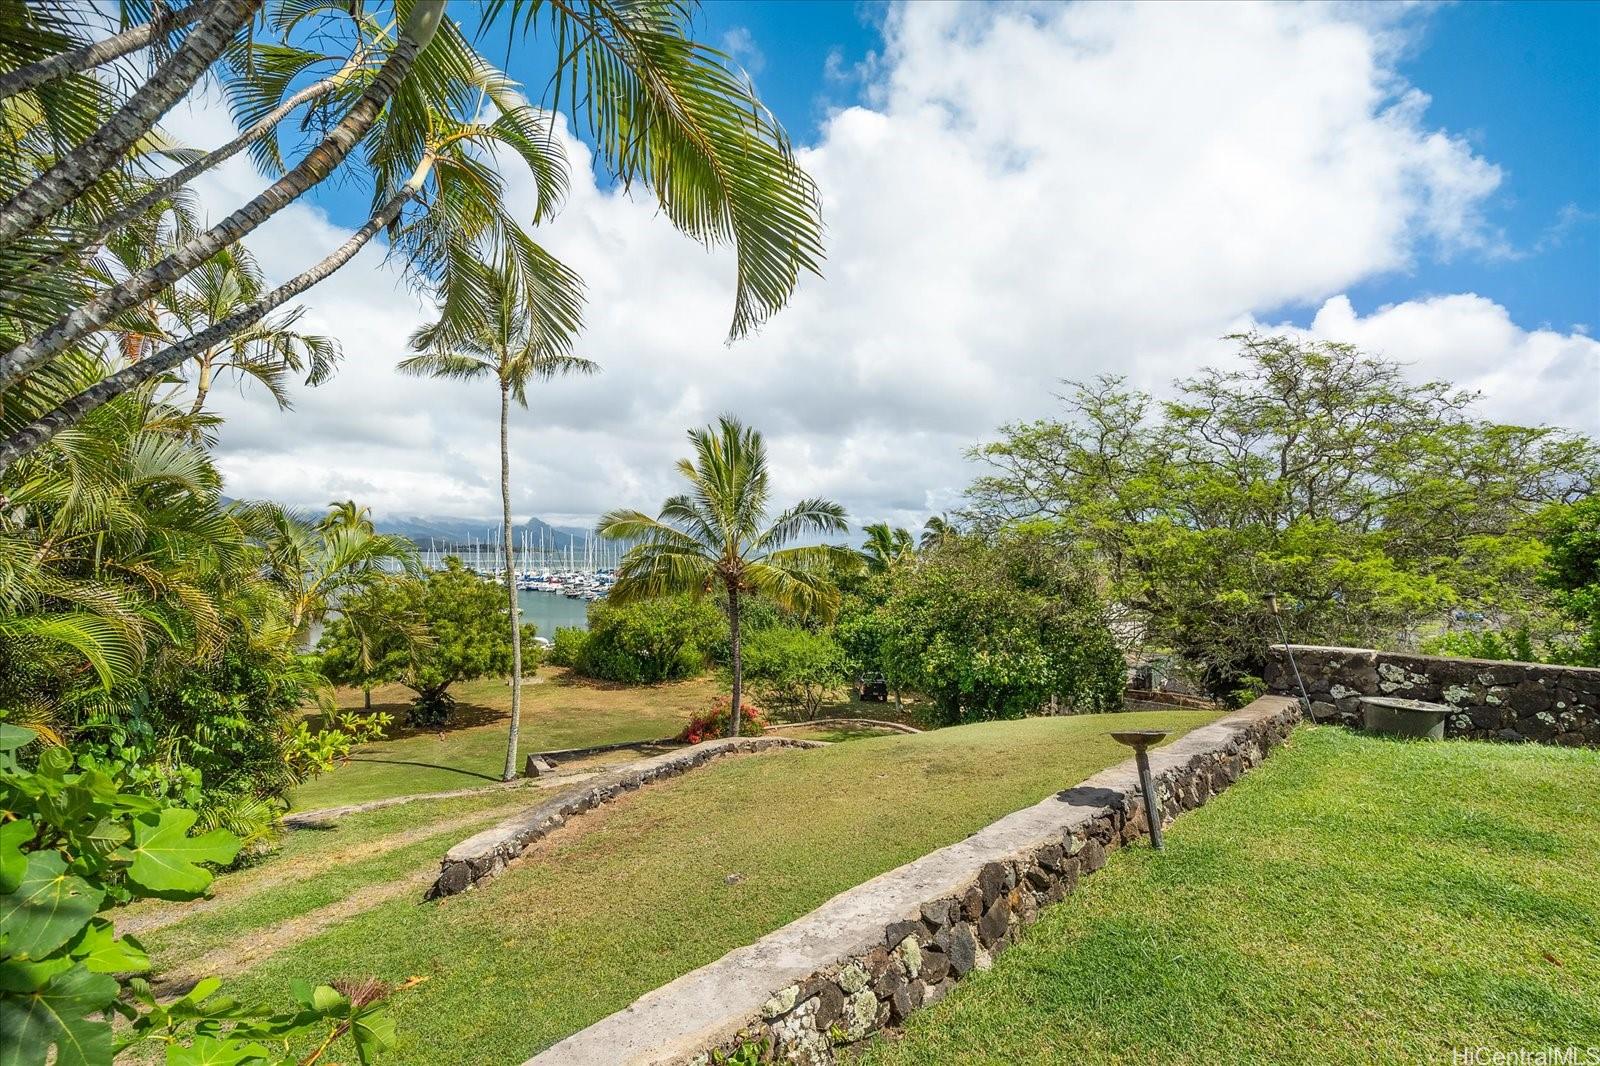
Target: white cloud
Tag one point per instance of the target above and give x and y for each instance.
(1530, 377)
(1033, 193)
(740, 43)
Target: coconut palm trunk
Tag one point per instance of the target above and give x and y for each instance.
(202, 383)
(71, 411)
(82, 167)
(735, 659)
(136, 209)
(311, 171)
(78, 60)
(493, 334)
(510, 770)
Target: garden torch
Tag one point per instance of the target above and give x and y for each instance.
(1271, 600)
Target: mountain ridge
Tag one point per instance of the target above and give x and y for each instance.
(451, 530)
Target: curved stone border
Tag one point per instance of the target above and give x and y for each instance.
(874, 953)
(482, 856)
(601, 749)
(875, 723)
(327, 815)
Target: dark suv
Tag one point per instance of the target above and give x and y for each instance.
(872, 688)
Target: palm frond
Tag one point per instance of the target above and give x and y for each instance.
(801, 579)
(677, 117)
(103, 644)
(814, 516)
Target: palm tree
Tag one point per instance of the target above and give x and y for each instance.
(347, 514)
(886, 548)
(115, 549)
(660, 110)
(938, 530)
(496, 338)
(317, 563)
(267, 351)
(714, 539)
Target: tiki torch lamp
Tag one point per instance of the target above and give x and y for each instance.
(1271, 601)
(1141, 741)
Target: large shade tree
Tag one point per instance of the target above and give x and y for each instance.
(715, 539)
(1378, 505)
(495, 339)
(404, 85)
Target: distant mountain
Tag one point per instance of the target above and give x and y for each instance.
(449, 530)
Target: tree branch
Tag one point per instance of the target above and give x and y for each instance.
(89, 56)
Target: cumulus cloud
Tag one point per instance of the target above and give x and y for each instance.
(1531, 377)
(1027, 194)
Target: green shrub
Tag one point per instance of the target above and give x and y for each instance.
(567, 645)
(995, 629)
(653, 640)
(1572, 572)
(74, 845)
(427, 634)
(1514, 646)
(793, 670)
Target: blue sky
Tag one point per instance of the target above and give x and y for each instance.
(1014, 196)
(1519, 80)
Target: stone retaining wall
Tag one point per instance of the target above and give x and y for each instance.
(856, 723)
(872, 954)
(483, 856)
(1493, 700)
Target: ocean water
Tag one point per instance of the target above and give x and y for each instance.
(551, 610)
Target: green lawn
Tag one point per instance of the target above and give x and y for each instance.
(1354, 900)
(561, 711)
(636, 893)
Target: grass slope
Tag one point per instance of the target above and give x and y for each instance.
(638, 893)
(561, 711)
(1355, 900)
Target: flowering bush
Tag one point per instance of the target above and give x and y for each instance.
(713, 723)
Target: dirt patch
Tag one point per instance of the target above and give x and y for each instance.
(324, 817)
(261, 944)
(249, 883)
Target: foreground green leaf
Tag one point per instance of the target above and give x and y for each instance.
(211, 1051)
(57, 1015)
(102, 951)
(13, 863)
(374, 1032)
(165, 857)
(47, 908)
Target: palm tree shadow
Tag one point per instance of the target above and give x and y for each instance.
(424, 765)
(464, 716)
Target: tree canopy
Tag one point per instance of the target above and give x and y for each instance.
(427, 633)
(716, 538)
(995, 628)
(1377, 506)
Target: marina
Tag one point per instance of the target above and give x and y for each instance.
(555, 584)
